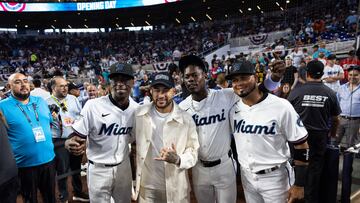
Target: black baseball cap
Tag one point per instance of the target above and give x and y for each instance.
(163, 78)
(72, 86)
(191, 60)
(315, 68)
(121, 69)
(354, 67)
(331, 57)
(241, 67)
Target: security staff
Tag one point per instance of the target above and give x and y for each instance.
(316, 104)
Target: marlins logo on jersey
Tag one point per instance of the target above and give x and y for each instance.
(242, 126)
(114, 129)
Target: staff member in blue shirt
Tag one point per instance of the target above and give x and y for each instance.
(28, 118)
(349, 99)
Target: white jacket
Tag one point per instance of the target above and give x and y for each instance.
(179, 129)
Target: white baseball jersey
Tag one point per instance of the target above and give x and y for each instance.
(261, 132)
(107, 128)
(331, 72)
(211, 116)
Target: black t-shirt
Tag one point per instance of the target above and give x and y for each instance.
(289, 75)
(8, 167)
(316, 104)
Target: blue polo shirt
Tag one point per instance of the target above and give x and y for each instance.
(27, 151)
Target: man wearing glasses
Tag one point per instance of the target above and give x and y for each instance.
(65, 109)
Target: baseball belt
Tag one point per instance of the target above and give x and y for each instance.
(215, 162)
(103, 165)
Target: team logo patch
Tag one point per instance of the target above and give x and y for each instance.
(299, 122)
(162, 77)
(120, 67)
(258, 39)
(13, 7)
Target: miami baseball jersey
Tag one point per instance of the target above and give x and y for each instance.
(211, 116)
(336, 70)
(261, 132)
(107, 128)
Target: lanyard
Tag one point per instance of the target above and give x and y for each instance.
(25, 114)
(62, 105)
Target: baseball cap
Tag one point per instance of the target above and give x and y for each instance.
(191, 60)
(121, 69)
(331, 57)
(241, 67)
(288, 57)
(163, 78)
(72, 85)
(315, 68)
(355, 67)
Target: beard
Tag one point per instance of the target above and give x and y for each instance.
(20, 96)
(169, 102)
(245, 93)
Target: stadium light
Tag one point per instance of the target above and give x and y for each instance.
(177, 20)
(207, 15)
(192, 18)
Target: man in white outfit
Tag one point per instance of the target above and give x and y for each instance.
(166, 145)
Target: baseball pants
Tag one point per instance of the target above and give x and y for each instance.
(267, 188)
(106, 183)
(215, 184)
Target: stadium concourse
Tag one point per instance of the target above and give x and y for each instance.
(65, 90)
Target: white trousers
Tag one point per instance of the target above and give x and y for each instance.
(106, 183)
(215, 184)
(267, 188)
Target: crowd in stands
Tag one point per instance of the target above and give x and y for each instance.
(72, 54)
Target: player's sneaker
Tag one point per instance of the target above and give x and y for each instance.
(81, 197)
